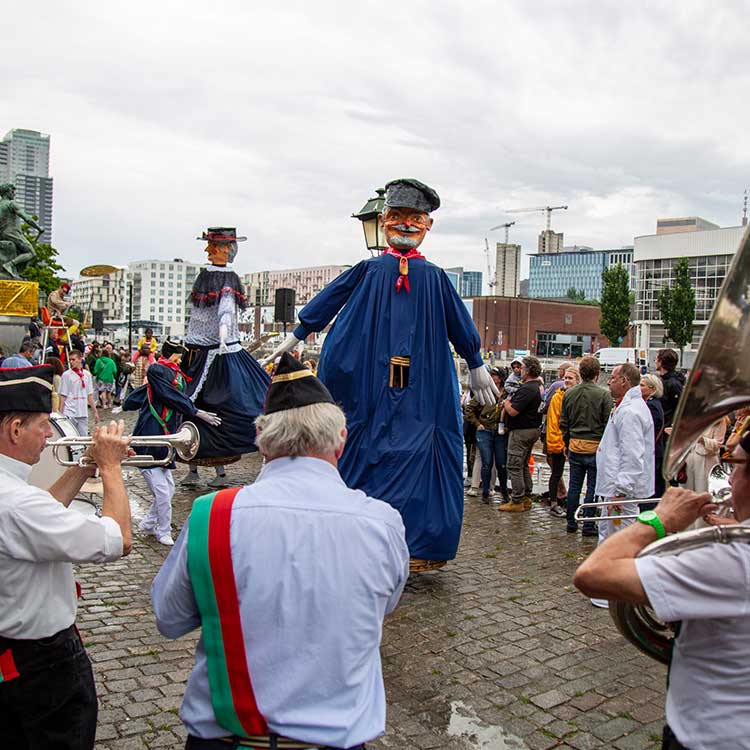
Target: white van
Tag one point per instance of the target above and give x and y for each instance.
(611, 356)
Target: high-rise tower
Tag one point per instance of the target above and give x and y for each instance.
(24, 161)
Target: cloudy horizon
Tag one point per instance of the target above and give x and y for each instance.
(282, 119)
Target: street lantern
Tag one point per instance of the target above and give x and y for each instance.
(368, 215)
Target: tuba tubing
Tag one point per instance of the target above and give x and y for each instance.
(637, 622)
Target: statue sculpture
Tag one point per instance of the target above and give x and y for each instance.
(16, 251)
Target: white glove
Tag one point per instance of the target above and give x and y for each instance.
(209, 417)
(483, 386)
(286, 346)
(222, 339)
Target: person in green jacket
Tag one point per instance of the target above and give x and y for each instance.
(105, 372)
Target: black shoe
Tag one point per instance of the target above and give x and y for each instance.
(589, 530)
(486, 498)
(571, 529)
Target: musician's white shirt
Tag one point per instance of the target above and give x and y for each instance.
(708, 589)
(40, 539)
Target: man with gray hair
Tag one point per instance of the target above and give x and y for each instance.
(315, 572)
(625, 457)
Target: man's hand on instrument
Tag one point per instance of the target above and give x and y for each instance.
(713, 520)
(209, 417)
(678, 508)
(110, 445)
(286, 346)
(482, 385)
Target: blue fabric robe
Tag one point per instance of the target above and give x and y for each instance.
(405, 444)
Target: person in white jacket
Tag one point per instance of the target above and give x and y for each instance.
(625, 457)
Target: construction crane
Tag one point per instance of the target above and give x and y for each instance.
(506, 227)
(491, 277)
(547, 209)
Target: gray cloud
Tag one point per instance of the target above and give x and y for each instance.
(282, 118)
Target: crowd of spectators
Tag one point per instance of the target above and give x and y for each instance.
(611, 435)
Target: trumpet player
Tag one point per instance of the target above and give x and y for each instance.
(47, 691)
(163, 405)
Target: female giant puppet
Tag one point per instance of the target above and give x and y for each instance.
(224, 378)
(387, 361)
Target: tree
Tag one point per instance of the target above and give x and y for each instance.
(677, 306)
(576, 295)
(617, 300)
(43, 269)
(74, 311)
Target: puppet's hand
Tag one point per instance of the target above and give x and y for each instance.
(209, 417)
(483, 386)
(286, 346)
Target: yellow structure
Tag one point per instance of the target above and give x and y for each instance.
(19, 297)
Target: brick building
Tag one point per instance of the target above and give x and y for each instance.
(545, 328)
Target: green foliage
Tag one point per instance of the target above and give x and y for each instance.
(75, 312)
(677, 306)
(576, 295)
(43, 269)
(616, 302)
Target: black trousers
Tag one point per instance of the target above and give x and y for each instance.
(52, 704)
(669, 741)
(196, 743)
(557, 466)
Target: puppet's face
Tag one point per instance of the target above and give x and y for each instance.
(218, 253)
(405, 228)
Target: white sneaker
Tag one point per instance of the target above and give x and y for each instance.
(473, 492)
(166, 540)
(601, 603)
(145, 528)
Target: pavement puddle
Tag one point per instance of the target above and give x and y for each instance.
(464, 723)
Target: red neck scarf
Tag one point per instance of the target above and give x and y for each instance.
(403, 266)
(173, 366)
(80, 374)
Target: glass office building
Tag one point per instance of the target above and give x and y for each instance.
(552, 275)
(709, 254)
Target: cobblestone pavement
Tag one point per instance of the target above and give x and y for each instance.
(495, 651)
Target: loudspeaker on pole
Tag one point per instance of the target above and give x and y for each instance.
(284, 306)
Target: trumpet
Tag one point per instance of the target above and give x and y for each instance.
(718, 486)
(184, 444)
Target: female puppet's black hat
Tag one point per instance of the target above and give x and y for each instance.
(26, 388)
(292, 386)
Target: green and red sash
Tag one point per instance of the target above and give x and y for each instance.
(8, 669)
(212, 577)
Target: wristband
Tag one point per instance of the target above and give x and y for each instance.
(650, 518)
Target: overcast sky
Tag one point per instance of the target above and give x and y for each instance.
(282, 118)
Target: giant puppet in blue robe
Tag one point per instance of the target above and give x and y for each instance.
(387, 361)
